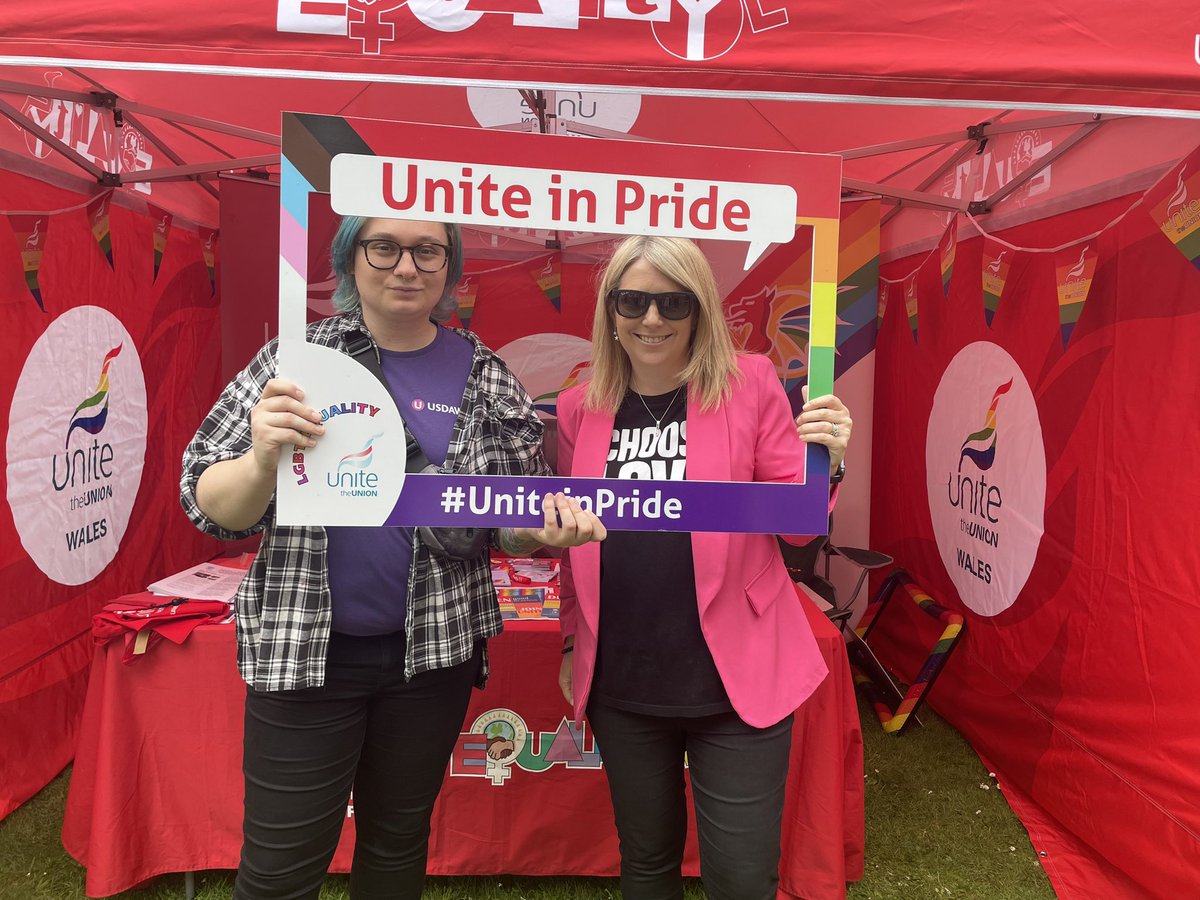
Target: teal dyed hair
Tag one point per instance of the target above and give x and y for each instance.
(341, 255)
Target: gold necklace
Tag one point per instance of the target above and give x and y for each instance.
(658, 420)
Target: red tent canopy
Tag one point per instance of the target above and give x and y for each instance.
(1092, 55)
(1011, 113)
(904, 91)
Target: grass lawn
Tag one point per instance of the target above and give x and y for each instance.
(937, 826)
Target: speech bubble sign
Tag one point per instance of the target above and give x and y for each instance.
(531, 181)
(478, 193)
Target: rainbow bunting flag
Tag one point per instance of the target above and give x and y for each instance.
(947, 248)
(996, 260)
(208, 246)
(98, 218)
(30, 232)
(1174, 204)
(910, 302)
(468, 288)
(162, 228)
(549, 279)
(1074, 268)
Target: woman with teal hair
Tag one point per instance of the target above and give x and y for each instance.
(360, 645)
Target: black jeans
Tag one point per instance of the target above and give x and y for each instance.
(738, 778)
(365, 727)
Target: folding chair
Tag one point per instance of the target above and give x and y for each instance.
(809, 565)
(895, 709)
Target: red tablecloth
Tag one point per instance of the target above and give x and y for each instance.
(157, 781)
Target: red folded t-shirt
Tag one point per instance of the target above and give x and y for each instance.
(142, 621)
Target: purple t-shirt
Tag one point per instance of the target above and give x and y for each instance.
(368, 565)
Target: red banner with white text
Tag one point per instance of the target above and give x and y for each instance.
(1019, 51)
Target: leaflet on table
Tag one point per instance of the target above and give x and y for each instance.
(527, 603)
(494, 179)
(207, 581)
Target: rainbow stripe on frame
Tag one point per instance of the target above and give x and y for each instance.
(822, 346)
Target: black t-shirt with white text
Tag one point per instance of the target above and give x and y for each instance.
(652, 657)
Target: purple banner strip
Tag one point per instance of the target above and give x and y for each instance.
(489, 501)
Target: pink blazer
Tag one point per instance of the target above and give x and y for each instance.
(749, 612)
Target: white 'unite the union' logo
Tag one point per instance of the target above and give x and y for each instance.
(985, 464)
(77, 444)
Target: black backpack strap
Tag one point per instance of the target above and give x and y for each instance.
(360, 346)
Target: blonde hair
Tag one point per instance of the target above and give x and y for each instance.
(712, 360)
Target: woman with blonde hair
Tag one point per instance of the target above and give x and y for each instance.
(687, 644)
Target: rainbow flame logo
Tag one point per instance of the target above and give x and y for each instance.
(1077, 269)
(983, 457)
(1179, 198)
(994, 265)
(362, 458)
(92, 413)
(549, 402)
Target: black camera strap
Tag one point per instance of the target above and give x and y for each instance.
(360, 346)
(450, 542)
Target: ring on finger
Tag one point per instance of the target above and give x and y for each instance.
(834, 430)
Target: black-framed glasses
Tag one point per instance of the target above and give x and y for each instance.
(632, 304)
(386, 254)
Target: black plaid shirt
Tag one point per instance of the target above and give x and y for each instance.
(283, 606)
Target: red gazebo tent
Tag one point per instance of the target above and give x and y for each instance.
(1032, 123)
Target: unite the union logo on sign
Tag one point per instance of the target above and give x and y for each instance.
(71, 491)
(986, 495)
(352, 478)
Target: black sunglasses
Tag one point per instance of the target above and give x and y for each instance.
(673, 305)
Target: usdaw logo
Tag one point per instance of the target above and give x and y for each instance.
(77, 444)
(987, 491)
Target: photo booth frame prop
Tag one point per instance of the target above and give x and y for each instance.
(355, 475)
(895, 711)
